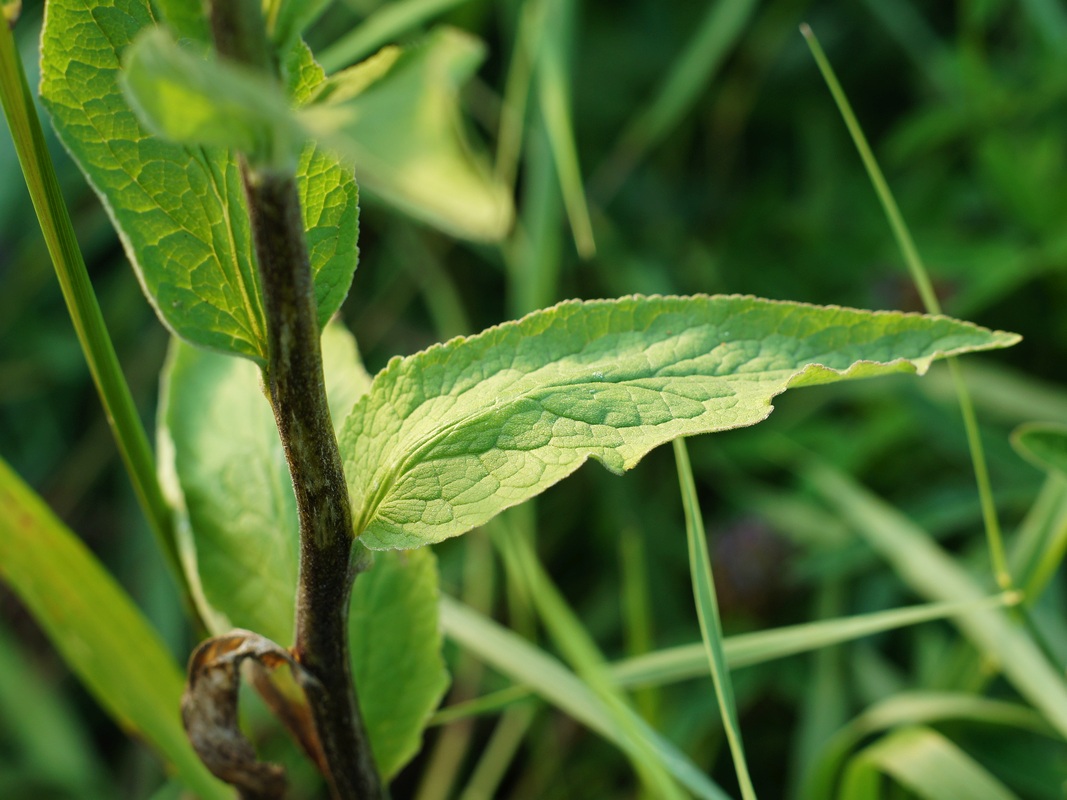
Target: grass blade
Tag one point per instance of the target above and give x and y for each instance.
(690, 661)
(81, 301)
(97, 629)
(912, 709)
(925, 288)
(578, 647)
(524, 663)
(690, 74)
(929, 571)
(924, 761)
(383, 27)
(555, 103)
(708, 614)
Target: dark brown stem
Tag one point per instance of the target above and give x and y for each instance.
(295, 381)
(297, 391)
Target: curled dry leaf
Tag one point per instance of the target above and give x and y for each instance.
(209, 711)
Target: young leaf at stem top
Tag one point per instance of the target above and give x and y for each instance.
(450, 437)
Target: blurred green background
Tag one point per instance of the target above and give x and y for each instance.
(713, 160)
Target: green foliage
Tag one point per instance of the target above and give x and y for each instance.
(225, 473)
(396, 117)
(287, 19)
(200, 100)
(101, 634)
(396, 653)
(698, 147)
(181, 210)
(448, 438)
(1043, 443)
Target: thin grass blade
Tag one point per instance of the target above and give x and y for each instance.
(388, 23)
(554, 96)
(921, 279)
(929, 571)
(578, 648)
(524, 663)
(708, 613)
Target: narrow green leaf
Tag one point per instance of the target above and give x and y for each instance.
(224, 470)
(911, 709)
(448, 438)
(921, 278)
(44, 732)
(672, 664)
(554, 96)
(402, 128)
(1042, 443)
(931, 766)
(384, 26)
(581, 652)
(707, 607)
(396, 653)
(97, 629)
(933, 574)
(180, 211)
(524, 663)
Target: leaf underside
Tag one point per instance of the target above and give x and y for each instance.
(180, 211)
(449, 437)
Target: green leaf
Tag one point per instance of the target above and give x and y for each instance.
(397, 116)
(1043, 444)
(223, 469)
(386, 23)
(97, 629)
(180, 211)
(529, 665)
(707, 607)
(931, 572)
(396, 653)
(448, 438)
(911, 709)
(931, 766)
(194, 98)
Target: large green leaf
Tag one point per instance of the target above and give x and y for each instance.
(180, 210)
(449, 437)
(223, 469)
(97, 629)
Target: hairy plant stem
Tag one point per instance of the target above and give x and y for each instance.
(329, 558)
